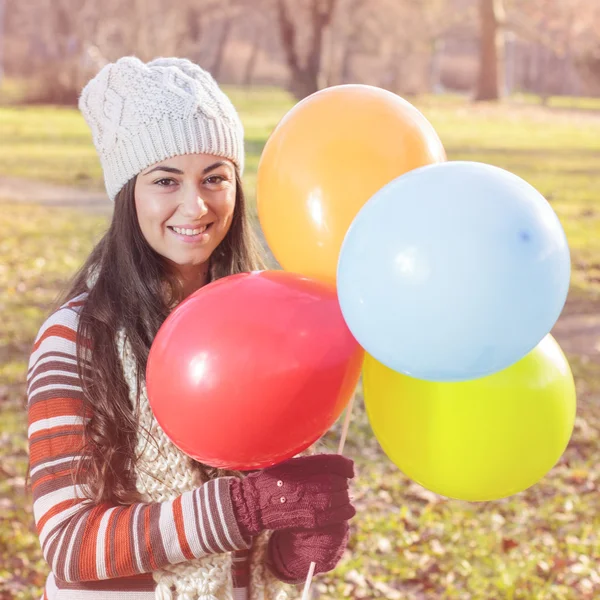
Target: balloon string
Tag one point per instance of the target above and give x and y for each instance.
(345, 426)
(311, 572)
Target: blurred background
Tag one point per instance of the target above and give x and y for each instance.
(484, 48)
(514, 83)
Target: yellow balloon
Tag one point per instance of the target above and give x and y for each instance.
(476, 440)
(325, 159)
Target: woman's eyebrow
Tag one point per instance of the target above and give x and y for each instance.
(220, 163)
(216, 165)
(164, 168)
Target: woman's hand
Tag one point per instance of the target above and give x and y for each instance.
(308, 492)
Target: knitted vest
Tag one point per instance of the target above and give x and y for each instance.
(208, 578)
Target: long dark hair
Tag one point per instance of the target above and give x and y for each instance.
(134, 289)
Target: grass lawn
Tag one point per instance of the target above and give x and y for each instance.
(407, 543)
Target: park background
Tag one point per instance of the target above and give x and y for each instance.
(514, 83)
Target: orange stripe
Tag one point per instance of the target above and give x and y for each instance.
(73, 428)
(87, 556)
(57, 407)
(55, 510)
(178, 514)
(61, 331)
(75, 303)
(124, 560)
(57, 475)
(49, 448)
(49, 477)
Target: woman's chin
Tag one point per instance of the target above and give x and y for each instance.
(189, 264)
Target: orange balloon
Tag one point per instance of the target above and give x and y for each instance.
(325, 159)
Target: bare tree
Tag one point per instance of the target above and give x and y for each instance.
(304, 73)
(227, 22)
(62, 28)
(490, 82)
(414, 40)
(561, 38)
(396, 44)
(2, 10)
(586, 48)
(355, 38)
(250, 66)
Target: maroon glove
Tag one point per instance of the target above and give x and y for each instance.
(291, 551)
(301, 493)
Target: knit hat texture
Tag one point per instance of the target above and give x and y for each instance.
(143, 113)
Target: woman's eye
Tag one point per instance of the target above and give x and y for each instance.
(161, 183)
(215, 179)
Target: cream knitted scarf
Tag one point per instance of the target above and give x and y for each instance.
(207, 578)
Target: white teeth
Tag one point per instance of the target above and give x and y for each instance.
(189, 231)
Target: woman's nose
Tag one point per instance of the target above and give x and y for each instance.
(194, 205)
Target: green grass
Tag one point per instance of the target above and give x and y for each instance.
(569, 102)
(556, 149)
(542, 544)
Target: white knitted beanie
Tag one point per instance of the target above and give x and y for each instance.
(143, 113)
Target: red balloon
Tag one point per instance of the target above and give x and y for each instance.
(252, 369)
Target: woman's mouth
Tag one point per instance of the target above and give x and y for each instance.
(191, 235)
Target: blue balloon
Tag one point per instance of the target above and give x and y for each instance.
(453, 271)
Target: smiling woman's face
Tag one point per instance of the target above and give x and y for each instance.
(185, 206)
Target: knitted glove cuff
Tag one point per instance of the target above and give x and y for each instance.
(245, 503)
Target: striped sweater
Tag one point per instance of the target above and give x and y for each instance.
(103, 551)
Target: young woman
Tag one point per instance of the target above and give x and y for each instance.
(121, 513)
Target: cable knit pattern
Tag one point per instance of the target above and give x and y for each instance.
(143, 113)
(207, 578)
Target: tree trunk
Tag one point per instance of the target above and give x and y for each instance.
(253, 56)
(348, 53)
(490, 83)
(332, 43)
(304, 78)
(221, 45)
(2, 34)
(142, 36)
(435, 66)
